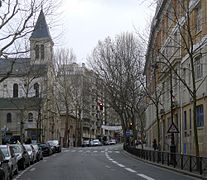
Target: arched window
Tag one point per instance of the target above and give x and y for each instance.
(36, 88)
(15, 90)
(30, 117)
(8, 118)
(37, 52)
(42, 52)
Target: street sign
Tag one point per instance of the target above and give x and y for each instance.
(129, 133)
(173, 129)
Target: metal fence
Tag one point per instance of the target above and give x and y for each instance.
(193, 164)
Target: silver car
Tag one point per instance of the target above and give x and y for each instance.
(11, 157)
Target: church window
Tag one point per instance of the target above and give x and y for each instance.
(15, 90)
(9, 118)
(37, 52)
(42, 52)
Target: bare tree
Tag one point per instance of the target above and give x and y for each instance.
(119, 64)
(64, 58)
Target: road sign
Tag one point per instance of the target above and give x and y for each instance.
(129, 133)
(173, 129)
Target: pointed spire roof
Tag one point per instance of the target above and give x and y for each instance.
(41, 29)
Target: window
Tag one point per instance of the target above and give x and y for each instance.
(198, 18)
(42, 52)
(185, 121)
(198, 67)
(37, 52)
(190, 117)
(36, 88)
(15, 90)
(9, 118)
(30, 117)
(200, 116)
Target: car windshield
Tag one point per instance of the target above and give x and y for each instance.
(5, 151)
(53, 142)
(16, 148)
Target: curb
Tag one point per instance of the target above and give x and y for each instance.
(166, 167)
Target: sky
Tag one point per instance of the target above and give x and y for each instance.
(85, 22)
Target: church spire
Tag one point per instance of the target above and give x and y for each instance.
(41, 29)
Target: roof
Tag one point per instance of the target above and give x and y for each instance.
(20, 67)
(41, 29)
(19, 103)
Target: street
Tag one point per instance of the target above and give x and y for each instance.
(96, 163)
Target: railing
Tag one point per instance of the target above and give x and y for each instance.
(193, 164)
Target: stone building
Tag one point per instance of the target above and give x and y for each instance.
(27, 104)
(175, 71)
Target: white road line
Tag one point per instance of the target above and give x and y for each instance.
(33, 169)
(146, 177)
(73, 151)
(95, 151)
(115, 162)
(130, 170)
(117, 152)
(120, 165)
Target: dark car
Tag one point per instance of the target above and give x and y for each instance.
(23, 159)
(46, 149)
(55, 145)
(4, 167)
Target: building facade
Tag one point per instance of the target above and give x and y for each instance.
(27, 109)
(175, 72)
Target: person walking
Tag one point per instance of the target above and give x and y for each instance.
(154, 145)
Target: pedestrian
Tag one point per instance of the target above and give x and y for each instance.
(154, 145)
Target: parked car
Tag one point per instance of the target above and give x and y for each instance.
(86, 143)
(23, 159)
(95, 142)
(38, 152)
(4, 167)
(55, 145)
(32, 155)
(46, 149)
(11, 157)
(112, 141)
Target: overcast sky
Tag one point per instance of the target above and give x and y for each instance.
(84, 22)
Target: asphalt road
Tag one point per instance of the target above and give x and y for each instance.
(96, 163)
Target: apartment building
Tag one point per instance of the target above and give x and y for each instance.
(176, 73)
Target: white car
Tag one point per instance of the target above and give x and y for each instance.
(112, 141)
(95, 142)
(11, 157)
(29, 148)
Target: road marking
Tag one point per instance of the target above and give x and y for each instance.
(146, 177)
(117, 152)
(95, 151)
(121, 165)
(80, 151)
(114, 162)
(33, 169)
(73, 151)
(130, 170)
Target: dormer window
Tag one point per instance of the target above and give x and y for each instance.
(42, 51)
(36, 88)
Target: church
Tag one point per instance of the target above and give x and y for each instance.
(27, 94)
